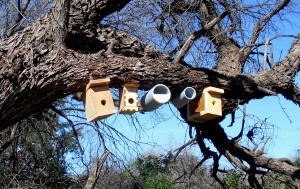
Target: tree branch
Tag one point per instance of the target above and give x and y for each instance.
(261, 23)
(292, 93)
(207, 153)
(86, 14)
(183, 147)
(94, 175)
(12, 138)
(60, 21)
(196, 35)
(240, 135)
(72, 126)
(34, 75)
(21, 10)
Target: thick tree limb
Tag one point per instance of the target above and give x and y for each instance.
(292, 93)
(44, 74)
(230, 149)
(86, 14)
(229, 60)
(283, 75)
(60, 21)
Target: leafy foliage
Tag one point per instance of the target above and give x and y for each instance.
(37, 153)
(153, 171)
(232, 179)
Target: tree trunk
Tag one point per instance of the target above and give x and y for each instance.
(95, 172)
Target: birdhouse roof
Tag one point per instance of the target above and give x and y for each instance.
(97, 83)
(214, 90)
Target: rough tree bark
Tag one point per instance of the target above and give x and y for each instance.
(59, 53)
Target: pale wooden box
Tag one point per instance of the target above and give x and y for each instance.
(206, 106)
(98, 101)
(129, 99)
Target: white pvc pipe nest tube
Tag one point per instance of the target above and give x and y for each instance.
(185, 96)
(157, 96)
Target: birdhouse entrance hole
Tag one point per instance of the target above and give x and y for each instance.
(103, 102)
(130, 100)
(213, 102)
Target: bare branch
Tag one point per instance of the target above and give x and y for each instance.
(21, 10)
(12, 138)
(209, 154)
(261, 23)
(196, 35)
(71, 124)
(239, 136)
(270, 39)
(183, 147)
(235, 162)
(94, 175)
(100, 135)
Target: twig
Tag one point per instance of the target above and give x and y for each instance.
(260, 24)
(71, 124)
(183, 147)
(263, 43)
(283, 109)
(100, 135)
(239, 136)
(20, 16)
(272, 56)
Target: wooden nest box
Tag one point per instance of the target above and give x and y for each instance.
(129, 99)
(98, 101)
(206, 106)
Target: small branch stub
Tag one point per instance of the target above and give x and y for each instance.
(206, 106)
(98, 101)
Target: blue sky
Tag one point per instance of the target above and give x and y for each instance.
(284, 142)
